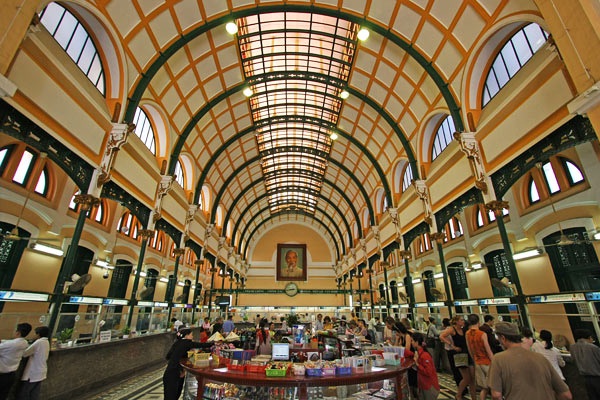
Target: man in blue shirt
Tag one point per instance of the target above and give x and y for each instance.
(228, 326)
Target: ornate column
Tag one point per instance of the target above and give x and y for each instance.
(145, 234)
(410, 291)
(179, 252)
(439, 237)
(86, 202)
(497, 206)
(201, 260)
(370, 273)
(384, 265)
(213, 270)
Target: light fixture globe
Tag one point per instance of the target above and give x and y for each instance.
(363, 34)
(231, 28)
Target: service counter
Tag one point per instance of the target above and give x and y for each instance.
(303, 383)
(75, 371)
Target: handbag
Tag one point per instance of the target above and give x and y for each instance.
(461, 360)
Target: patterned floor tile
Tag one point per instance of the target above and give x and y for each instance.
(149, 386)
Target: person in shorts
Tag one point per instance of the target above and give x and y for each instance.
(481, 353)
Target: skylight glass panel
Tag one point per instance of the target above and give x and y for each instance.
(296, 65)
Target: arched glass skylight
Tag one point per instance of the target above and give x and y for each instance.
(511, 58)
(76, 41)
(443, 137)
(144, 130)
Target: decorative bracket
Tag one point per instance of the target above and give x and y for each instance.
(423, 192)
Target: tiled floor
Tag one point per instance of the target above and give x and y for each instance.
(149, 386)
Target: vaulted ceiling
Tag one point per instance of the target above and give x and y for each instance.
(256, 110)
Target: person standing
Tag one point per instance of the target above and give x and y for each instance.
(176, 324)
(11, 352)
(319, 322)
(587, 359)
(36, 368)
(547, 349)
(454, 336)
(174, 373)
(480, 352)
(263, 339)
(427, 379)
(228, 325)
(488, 328)
(434, 345)
(517, 373)
(217, 326)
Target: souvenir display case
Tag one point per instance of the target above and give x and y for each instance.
(223, 383)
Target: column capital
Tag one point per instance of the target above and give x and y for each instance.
(179, 252)
(438, 237)
(146, 233)
(497, 206)
(86, 201)
(405, 254)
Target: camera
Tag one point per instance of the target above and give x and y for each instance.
(105, 276)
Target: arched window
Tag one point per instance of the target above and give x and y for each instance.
(453, 229)
(120, 279)
(74, 38)
(458, 281)
(499, 272)
(4, 156)
(129, 225)
(179, 177)
(511, 58)
(443, 137)
(554, 176)
(30, 167)
(485, 217)
(423, 243)
(144, 129)
(428, 284)
(407, 177)
(158, 240)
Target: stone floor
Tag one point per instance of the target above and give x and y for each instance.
(148, 386)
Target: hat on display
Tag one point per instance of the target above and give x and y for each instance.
(232, 337)
(216, 337)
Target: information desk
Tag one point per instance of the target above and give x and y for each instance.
(223, 375)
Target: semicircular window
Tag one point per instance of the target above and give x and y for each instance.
(443, 137)
(144, 130)
(74, 38)
(511, 58)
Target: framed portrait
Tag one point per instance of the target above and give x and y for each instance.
(291, 262)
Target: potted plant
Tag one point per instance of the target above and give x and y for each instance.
(64, 337)
(126, 330)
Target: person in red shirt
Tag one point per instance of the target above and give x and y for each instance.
(427, 379)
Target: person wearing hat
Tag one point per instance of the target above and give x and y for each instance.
(517, 373)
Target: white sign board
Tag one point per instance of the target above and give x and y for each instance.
(104, 336)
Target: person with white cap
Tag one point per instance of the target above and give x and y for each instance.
(517, 373)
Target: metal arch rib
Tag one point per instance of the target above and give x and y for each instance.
(258, 181)
(264, 195)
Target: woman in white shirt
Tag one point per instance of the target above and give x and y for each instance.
(547, 349)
